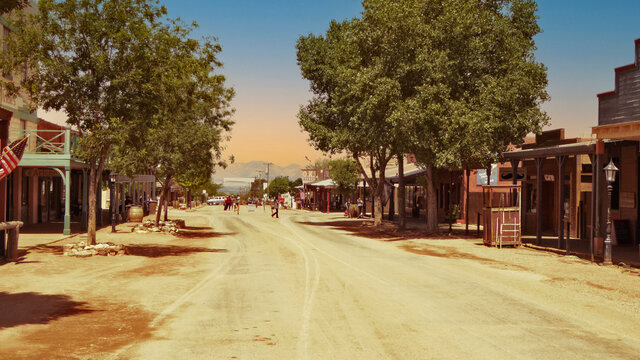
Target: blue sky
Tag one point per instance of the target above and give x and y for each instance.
(582, 42)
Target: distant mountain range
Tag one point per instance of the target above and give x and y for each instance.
(250, 170)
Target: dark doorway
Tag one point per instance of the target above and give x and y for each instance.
(548, 207)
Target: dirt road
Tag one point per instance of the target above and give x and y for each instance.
(314, 286)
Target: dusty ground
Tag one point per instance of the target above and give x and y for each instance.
(311, 286)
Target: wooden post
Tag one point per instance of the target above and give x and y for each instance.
(392, 207)
(561, 162)
(466, 206)
(4, 140)
(539, 175)
(85, 200)
(67, 201)
(597, 171)
(13, 228)
(514, 174)
(402, 191)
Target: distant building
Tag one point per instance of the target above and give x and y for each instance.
(237, 185)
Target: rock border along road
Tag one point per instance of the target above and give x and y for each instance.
(315, 286)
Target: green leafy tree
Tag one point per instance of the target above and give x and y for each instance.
(353, 101)
(190, 114)
(279, 185)
(89, 58)
(474, 84)
(345, 173)
(460, 73)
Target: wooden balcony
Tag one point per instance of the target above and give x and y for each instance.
(48, 148)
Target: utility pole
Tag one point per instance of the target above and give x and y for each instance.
(268, 174)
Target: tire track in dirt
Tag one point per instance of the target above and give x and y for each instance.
(312, 282)
(211, 278)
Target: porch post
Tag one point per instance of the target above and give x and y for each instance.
(539, 164)
(17, 194)
(561, 161)
(514, 170)
(466, 206)
(597, 171)
(115, 201)
(514, 174)
(392, 207)
(98, 203)
(4, 140)
(123, 198)
(85, 201)
(592, 157)
(67, 201)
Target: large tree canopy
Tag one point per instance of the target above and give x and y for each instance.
(190, 115)
(124, 74)
(279, 185)
(452, 81)
(354, 98)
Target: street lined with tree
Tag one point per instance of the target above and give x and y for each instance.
(453, 82)
(141, 92)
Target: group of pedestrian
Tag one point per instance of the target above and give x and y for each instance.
(232, 204)
(228, 203)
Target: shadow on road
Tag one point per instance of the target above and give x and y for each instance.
(197, 233)
(35, 308)
(388, 231)
(154, 251)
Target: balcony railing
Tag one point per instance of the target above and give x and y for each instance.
(58, 142)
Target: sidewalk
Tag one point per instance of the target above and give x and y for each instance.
(627, 254)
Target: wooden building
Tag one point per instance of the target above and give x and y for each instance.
(619, 118)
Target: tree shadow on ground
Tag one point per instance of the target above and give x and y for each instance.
(452, 253)
(198, 228)
(388, 231)
(154, 251)
(46, 249)
(189, 233)
(35, 308)
(22, 254)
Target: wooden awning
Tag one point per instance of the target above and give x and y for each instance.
(586, 147)
(626, 131)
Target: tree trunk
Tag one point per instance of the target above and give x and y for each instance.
(160, 205)
(377, 200)
(166, 203)
(402, 214)
(163, 195)
(95, 171)
(432, 202)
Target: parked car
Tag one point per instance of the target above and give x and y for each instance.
(217, 200)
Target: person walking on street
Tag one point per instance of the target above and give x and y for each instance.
(238, 205)
(274, 208)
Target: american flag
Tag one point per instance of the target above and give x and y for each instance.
(11, 156)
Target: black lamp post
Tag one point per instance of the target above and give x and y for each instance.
(112, 181)
(610, 172)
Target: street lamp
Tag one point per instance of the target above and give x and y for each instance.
(112, 181)
(610, 172)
